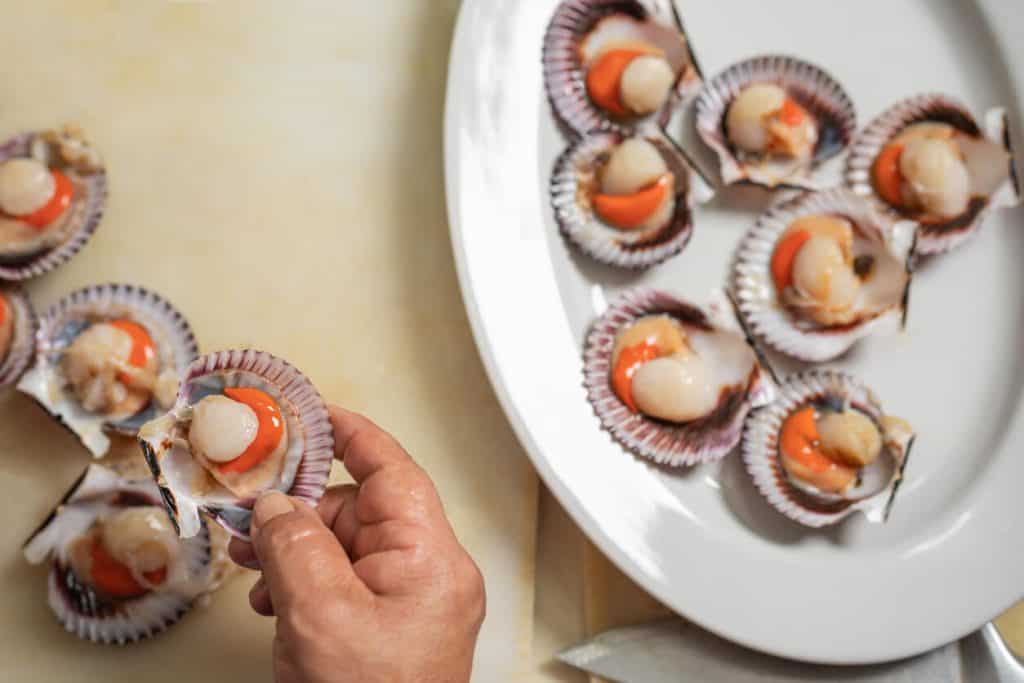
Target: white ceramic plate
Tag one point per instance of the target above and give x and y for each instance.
(702, 540)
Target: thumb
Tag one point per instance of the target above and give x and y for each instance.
(300, 557)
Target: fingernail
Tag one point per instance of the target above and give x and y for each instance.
(270, 505)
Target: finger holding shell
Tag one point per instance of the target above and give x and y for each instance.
(243, 422)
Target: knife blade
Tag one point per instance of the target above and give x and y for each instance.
(672, 650)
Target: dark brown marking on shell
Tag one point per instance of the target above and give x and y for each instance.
(691, 315)
(899, 481)
(1008, 146)
(959, 224)
(752, 341)
(681, 27)
(82, 597)
(831, 329)
(130, 499)
(863, 266)
(169, 503)
(56, 508)
(631, 9)
(909, 268)
(679, 223)
(940, 112)
(730, 403)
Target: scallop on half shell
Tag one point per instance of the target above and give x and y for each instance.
(53, 190)
(669, 380)
(625, 201)
(774, 120)
(819, 272)
(617, 65)
(244, 422)
(118, 572)
(928, 159)
(824, 449)
(108, 358)
(17, 333)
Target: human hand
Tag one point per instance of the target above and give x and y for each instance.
(372, 585)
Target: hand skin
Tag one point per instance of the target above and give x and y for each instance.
(372, 585)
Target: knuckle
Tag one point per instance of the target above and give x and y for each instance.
(466, 590)
(283, 533)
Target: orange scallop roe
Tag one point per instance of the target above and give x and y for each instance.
(799, 441)
(629, 211)
(886, 173)
(791, 113)
(629, 361)
(115, 579)
(268, 434)
(3, 309)
(604, 77)
(143, 348)
(56, 206)
(784, 256)
(800, 445)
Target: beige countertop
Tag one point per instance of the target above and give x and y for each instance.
(276, 172)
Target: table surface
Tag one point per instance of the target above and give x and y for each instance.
(277, 174)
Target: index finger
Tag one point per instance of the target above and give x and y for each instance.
(391, 485)
(362, 446)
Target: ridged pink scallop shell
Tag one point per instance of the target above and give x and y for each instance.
(96, 200)
(304, 400)
(753, 288)
(564, 78)
(811, 86)
(704, 440)
(761, 445)
(23, 340)
(930, 107)
(581, 227)
(175, 346)
(126, 621)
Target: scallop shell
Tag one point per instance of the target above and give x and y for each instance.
(811, 86)
(176, 347)
(23, 340)
(760, 449)
(583, 27)
(757, 300)
(307, 463)
(77, 606)
(700, 441)
(940, 237)
(573, 174)
(86, 220)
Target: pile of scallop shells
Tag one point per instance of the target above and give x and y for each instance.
(828, 264)
(137, 541)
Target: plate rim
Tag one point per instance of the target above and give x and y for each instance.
(477, 20)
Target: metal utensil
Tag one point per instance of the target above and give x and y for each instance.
(675, 650)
